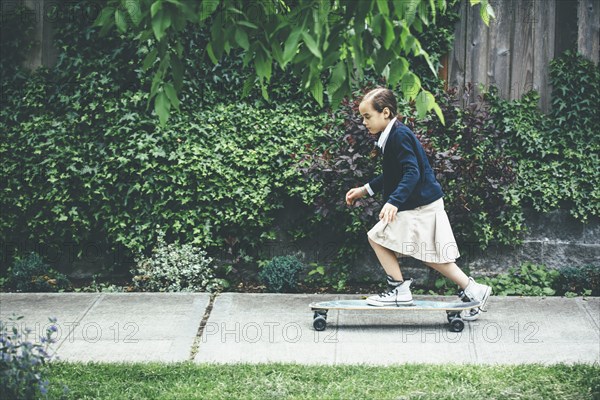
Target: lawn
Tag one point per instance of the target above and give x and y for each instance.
(289, 381)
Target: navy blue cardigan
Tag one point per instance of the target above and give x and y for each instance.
(408, 180)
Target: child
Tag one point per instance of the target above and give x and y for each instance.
(413, 221)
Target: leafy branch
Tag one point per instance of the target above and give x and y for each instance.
(329, 43)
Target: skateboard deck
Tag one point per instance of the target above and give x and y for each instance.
(453, 310)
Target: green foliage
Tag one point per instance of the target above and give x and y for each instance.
(23, 363)
(16, 39)
(581, 280)
(475, 174)
(332, 277)
(250, 381)
(557, 155)
(31, 274)
(174, 267)
(527, 280)
(281, 274)
(96, 287)
(311, 39)
(81, 156)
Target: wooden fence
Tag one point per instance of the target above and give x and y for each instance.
(514, 52)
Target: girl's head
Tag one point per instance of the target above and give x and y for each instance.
(378, 108)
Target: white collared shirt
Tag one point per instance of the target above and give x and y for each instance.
(386, 132)
(381, 144)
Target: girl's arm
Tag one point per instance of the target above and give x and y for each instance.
(377, 184)
(409, 170)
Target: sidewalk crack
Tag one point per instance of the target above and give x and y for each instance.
(78, 321)
(207, 312)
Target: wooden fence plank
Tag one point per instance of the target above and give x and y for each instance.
(522, 44)
(543, 49)
(588, 42)
(476, 67)
(500, 46)
(456, 62)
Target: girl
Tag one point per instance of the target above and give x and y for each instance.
(413, 221)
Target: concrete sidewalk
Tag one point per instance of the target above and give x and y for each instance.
(255, 328)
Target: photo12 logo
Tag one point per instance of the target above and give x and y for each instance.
(90, 332)
(488, 332)
(266, 332)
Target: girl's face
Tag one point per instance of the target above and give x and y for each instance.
(374, 121)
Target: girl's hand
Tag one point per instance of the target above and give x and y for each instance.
(353, 195)
(388, 213)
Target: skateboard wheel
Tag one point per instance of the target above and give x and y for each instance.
(452, 315)
(320, 323)
(457, 325)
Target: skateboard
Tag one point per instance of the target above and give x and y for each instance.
(453, 310)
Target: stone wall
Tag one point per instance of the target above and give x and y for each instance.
(555, 239)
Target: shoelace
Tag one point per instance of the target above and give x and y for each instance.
(388, 293)
(461, 294)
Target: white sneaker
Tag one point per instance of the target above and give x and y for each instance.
(473, 313)
(478, 292)
(397, 296)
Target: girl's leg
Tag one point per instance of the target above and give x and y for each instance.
(452, 272)
(388, 260)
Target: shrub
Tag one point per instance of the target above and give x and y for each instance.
(527, 280)
(82, 156)
(173, 267)
(281, 274)
(557, 155)
(579, 280)
(23, 364)
(32, 274)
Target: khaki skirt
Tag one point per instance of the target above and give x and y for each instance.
(423, 233)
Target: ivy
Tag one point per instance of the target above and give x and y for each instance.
(84, 159)
(557, 154)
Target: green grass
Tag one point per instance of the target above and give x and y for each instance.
(290, 381)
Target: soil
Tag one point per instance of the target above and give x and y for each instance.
(242, 286)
